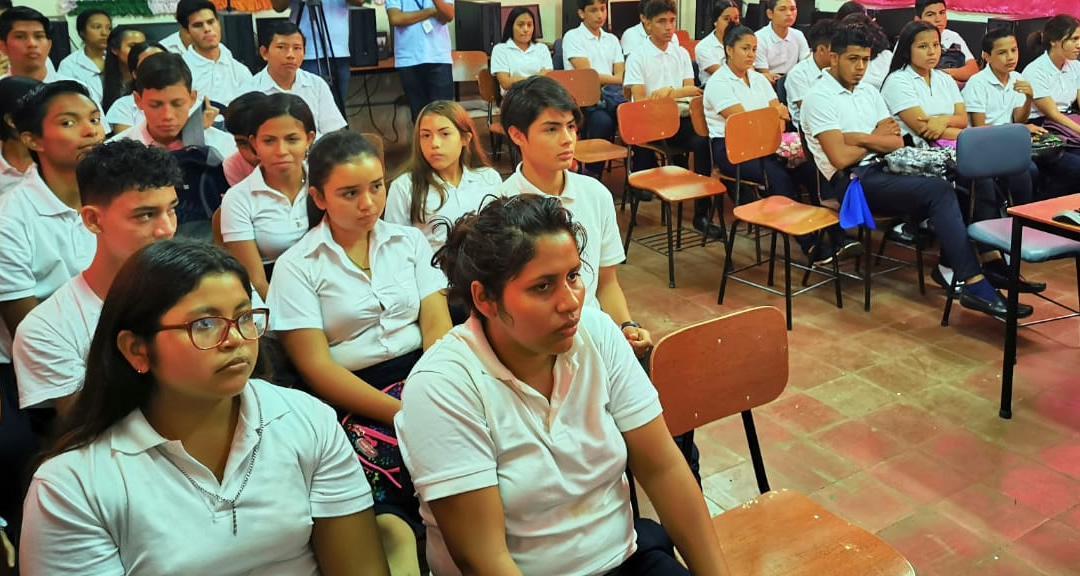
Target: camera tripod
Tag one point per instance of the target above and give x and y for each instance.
(320, 37)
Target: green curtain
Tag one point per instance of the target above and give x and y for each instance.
(114, 7)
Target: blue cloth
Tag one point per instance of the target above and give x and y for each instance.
(337, 27)
(412, 45)
(854, 211)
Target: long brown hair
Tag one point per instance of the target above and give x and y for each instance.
(422, 175)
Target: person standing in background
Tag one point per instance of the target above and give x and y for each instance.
(422, 50)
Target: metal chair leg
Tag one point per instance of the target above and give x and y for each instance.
(772, 258)
(836, 280)
(949, 301)
(868, 271)
(729, 266)
(787, 278)
(630, 226)
(666, 208)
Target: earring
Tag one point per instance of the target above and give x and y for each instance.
(140, 370)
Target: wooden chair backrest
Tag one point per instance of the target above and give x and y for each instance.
(485, 82)
(752, 135)
(691, 48)
(648, 120)
(697, 116)
(720, 367)
(583, 84)
(467, 64)
(684, 37)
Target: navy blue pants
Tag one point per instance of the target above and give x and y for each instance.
(655, 554)
(426, 83)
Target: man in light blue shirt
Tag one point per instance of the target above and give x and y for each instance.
(422, 49)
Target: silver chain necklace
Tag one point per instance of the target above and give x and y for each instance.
(247, 475)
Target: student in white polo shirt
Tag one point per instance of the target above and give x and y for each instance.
(519, 55)
(87, 64)
(519, 424)
(116, 78)
(124, 113)
(590, 46)
(881, 53)
(15, 160)
(177, 42)
(849, 127)
(422, 50)
(709, 51)
(925, 101)
(1055, 75)
(956, 59)
(780, 44)
(215, 74)
(267, 212)
(282, 46)
(176, 461)
(636, 35)
(128, 193)
(802, 77)
(26, 38)
(355, 303)
(661, 69)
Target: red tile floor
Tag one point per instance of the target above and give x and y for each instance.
(890, 420)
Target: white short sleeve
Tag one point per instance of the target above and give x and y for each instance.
(572, 46)
(611, 247)
(719, 96)
(237, 223)
(899, 93)
(338, 487)
(975, 94)
(429, 279)
(760, 61)
(500, 59)
(399, 201)
(292, 297)
(47, 364)
(819, 117)
(16, 257)
(686, 67)
(634, 73)
(634, 401)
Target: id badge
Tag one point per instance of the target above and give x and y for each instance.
(427, 26)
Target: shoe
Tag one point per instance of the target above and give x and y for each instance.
(821, 254)
(939, 278)
(901, 234)
(710, 230)
(998, 275)
(997, 307)
(850, 249)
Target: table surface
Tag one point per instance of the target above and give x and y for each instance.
(1043, 212)
(386, 64)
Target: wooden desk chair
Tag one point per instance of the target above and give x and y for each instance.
(731, 365)
(465, 66)
(684, 38)
(487, 86)
(654, 121)
(584, 86)
(752, 136)
(691, 47)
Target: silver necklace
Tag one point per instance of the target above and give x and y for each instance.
(247, 475)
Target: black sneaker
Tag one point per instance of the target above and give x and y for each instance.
(821, 254)
(850, 249)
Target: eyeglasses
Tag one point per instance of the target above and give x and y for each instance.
(210, 331)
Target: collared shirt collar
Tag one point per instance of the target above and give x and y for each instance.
(472, 334)
(223, 56)
(46, 204)
(653, 49)
(589, 33)
(526, 187)
(265, 82)
(8, 169)
(84, 61)
(323, 238)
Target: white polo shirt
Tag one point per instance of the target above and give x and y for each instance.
(78, 66)
(905, 89)
(219, 140)
(654, 68)
(798, 83)
(252, 210)
(124, 111)
(709, 51)
(43, 244)
(121, 505)
(725, 90)
(603, 51)
(591, 205)
(779, 55)
(984, 94)
(635, 36)
(312, 89)
(10, 177)
(219, 79)
(877, 70)
(413, 44)
(950, 38)
(367, 319)
(507, 57)
(173, 43)
(1046, 79)
(467, 423)
(467, 197)
(52, 342)
(830, 106)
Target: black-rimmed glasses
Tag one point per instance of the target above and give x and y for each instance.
(210, 331)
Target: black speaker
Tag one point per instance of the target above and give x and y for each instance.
(363, 46)
(1023, 28)
(478, 24)
(61, 40)
(238, 33)
(158, 31)
(972, 33)
(891, 20)
(621, 16)
(702, 25)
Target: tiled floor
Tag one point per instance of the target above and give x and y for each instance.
(889, 419)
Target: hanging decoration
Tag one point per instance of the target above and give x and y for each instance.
(153, 7)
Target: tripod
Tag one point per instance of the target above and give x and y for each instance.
(320, 37)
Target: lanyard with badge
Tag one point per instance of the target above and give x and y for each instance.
(426, 24)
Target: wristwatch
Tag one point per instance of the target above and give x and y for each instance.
(628, 324)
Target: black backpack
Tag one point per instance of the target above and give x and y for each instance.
(204, 176)
(952, 57)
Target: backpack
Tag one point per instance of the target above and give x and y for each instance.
(204, 183)
(952, 57)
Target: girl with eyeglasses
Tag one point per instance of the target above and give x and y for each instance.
(175, 460)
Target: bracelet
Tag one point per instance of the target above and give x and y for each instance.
(628, 324)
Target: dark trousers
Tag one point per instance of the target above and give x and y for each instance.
(655, 554)
(921, 197)
(685, 139)
(18, 445)
(600, 123)
(426, 83)
(340, 87)
(1059, 178)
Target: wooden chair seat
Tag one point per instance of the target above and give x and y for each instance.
(675, 184)
(786, 215)
(785, 532)
(598, 150)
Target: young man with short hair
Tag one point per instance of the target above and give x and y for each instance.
(282, 46)
(590, 46)
(128, 193)
(335, 51)
(807, 72)
(637, 35)
(956, 58)
(163, 91)
(422, 50)
(848, 129)
(26, 38)
(780, 45)
(215, 74)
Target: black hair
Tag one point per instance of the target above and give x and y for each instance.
(657, 7)
(871, 29)
(30, 113)
(733, 35)
(22, 14)
(281, 104)
(1056, 29)
(112, 79)
(238, 113)
(5, 4)
(718, 7)
(329, 152)
(526, 100)
(508, 30)
(493, 245)
(83, 19)
(137, 51)
(583, 4)
(848, 8)
(771, 4)
(12, 89)
(902, 56)
(113, 168)
(920, 6)
(641, 6)
(283, 28)
(821, 33)
(994, 34)
(159, 71)
(147, 286)
(186, 8)
(851, 36)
